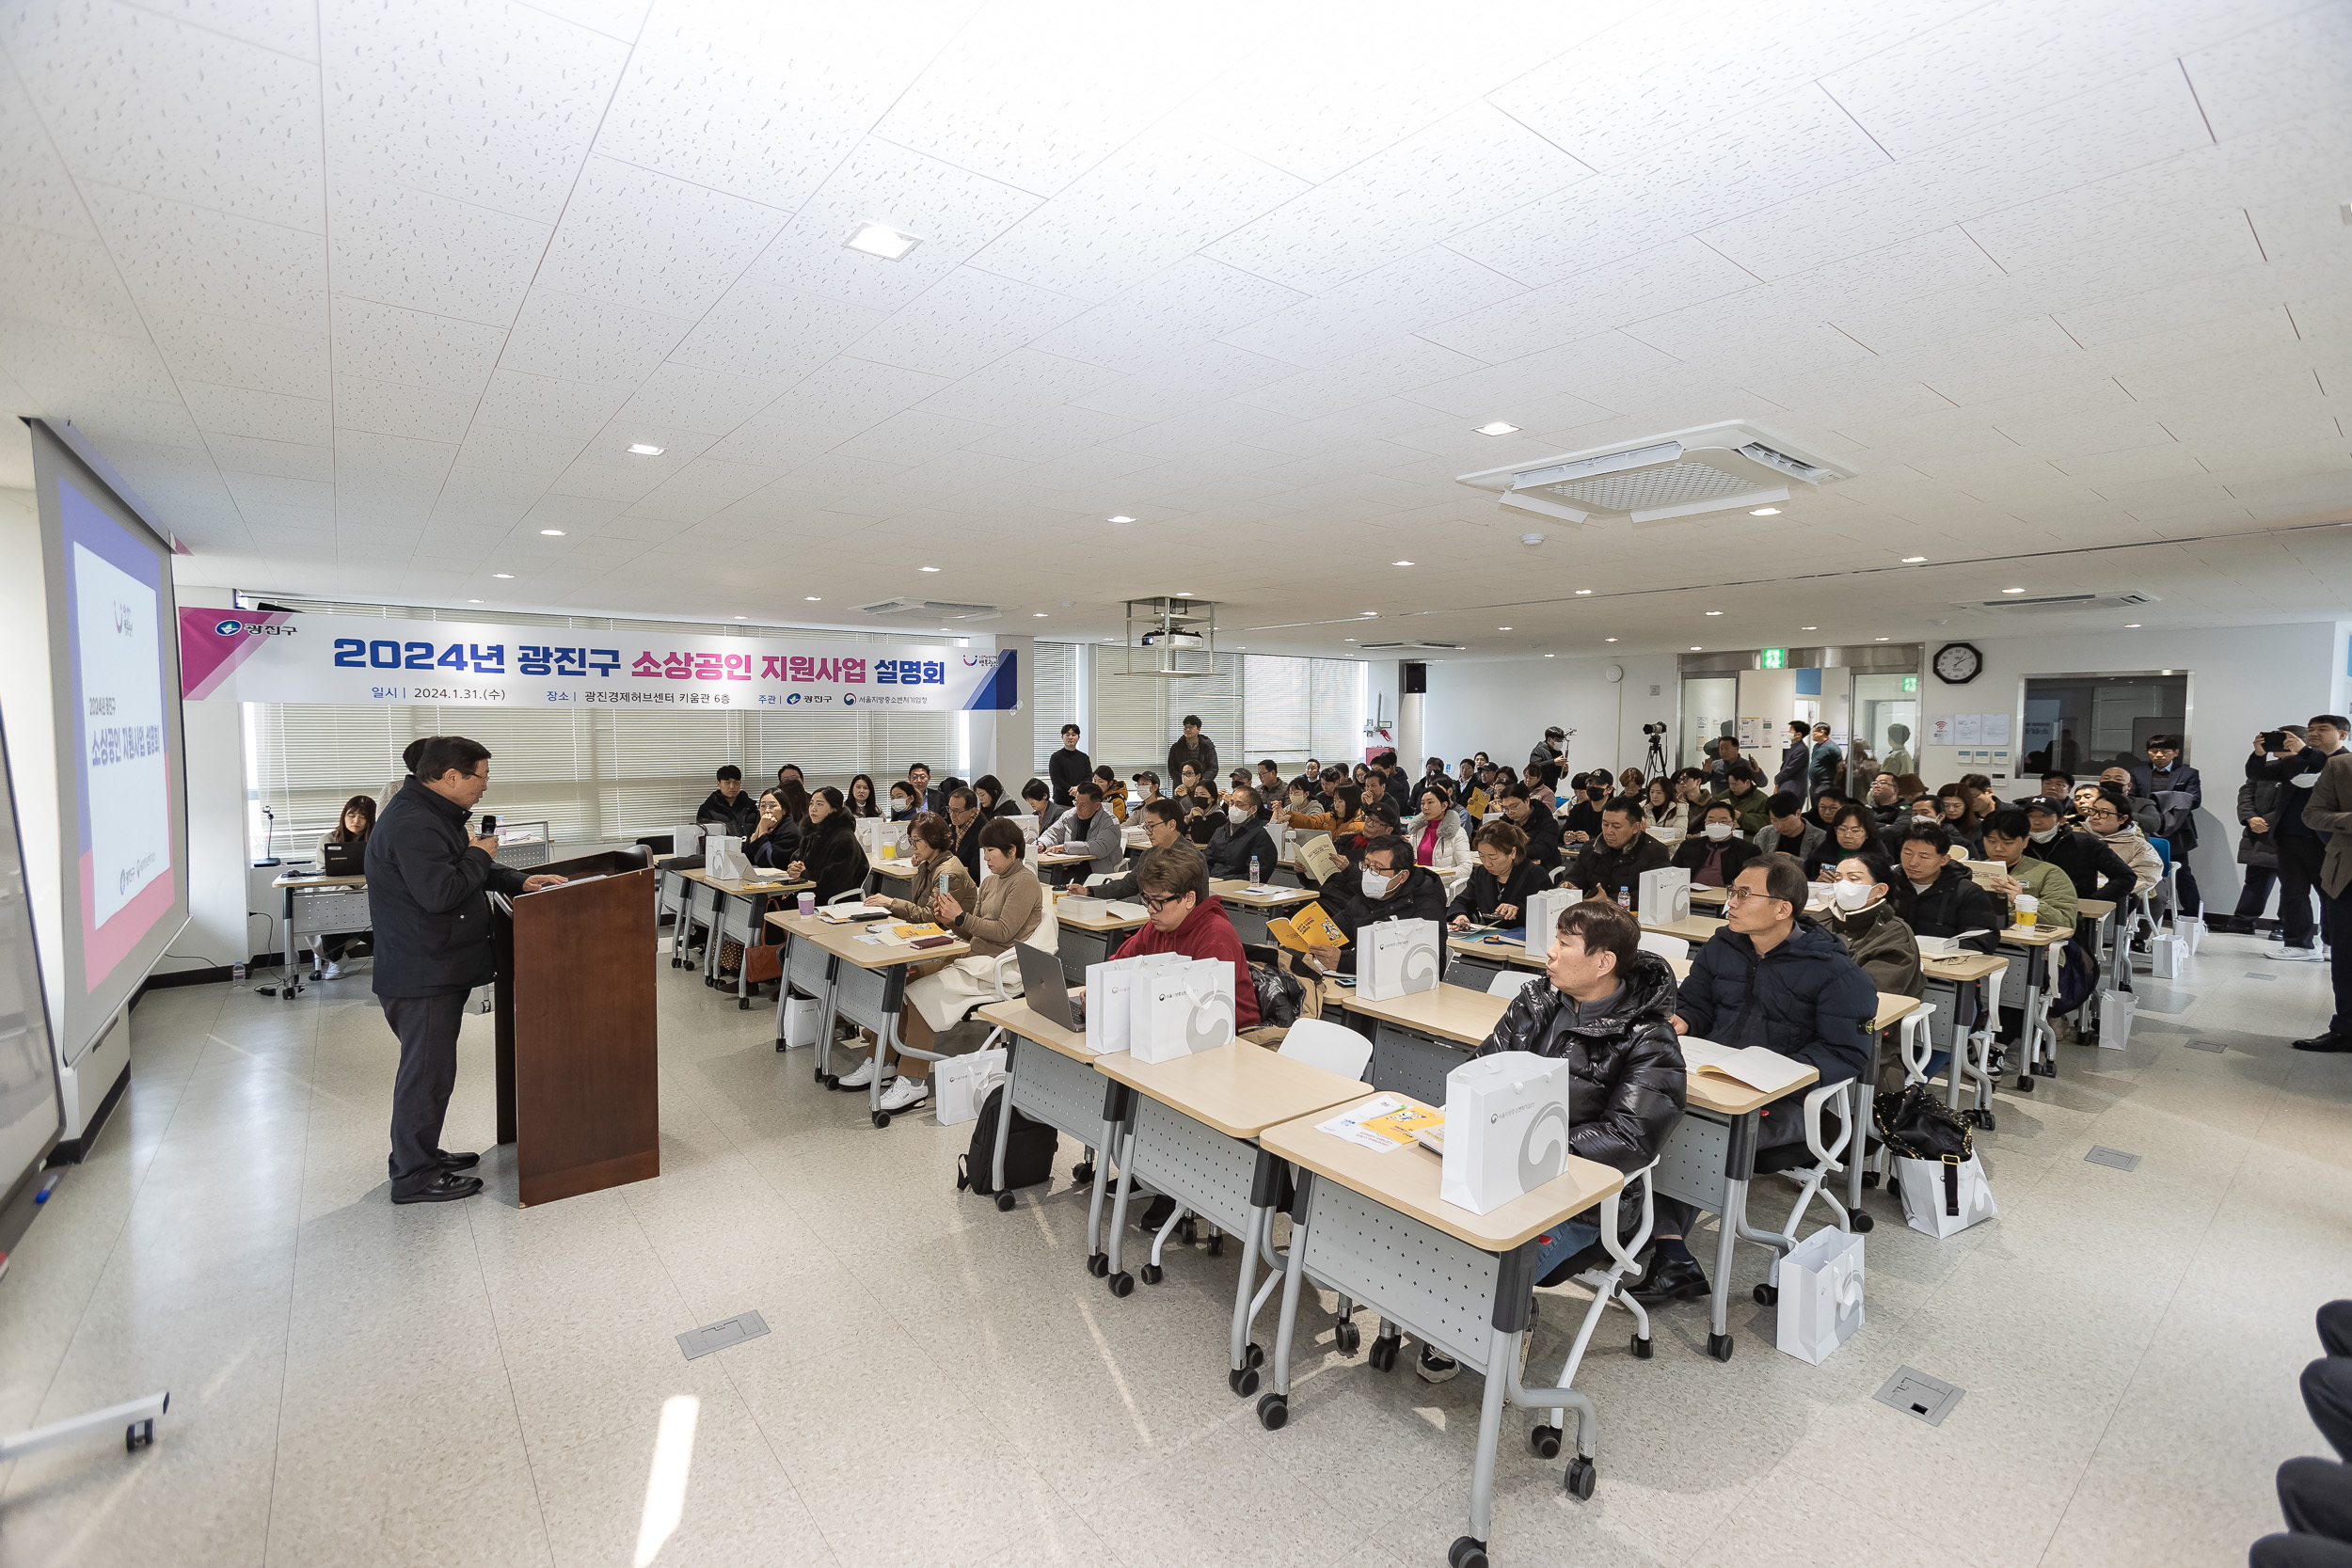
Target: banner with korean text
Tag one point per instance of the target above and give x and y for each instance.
(278, 657)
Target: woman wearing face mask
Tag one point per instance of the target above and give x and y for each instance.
(1715, 854)
(1855, 830)
(1239, 837)
(1498, 890)
(1583, 820)
(904, 803)
(1345, 817)
(1439, 841)
(1875, 936)
(1669, 817)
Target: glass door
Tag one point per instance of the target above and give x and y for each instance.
(1710, 709)
(1884, 715)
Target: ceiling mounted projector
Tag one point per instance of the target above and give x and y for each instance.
(1174, 639)
(1716, 467)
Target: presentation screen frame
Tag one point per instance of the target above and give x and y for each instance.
(109, 938)
(28, 1055)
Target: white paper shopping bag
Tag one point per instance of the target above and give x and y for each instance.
(2167, 953)
(723, 859)
(1821, 1294)
(962, 1083)
(1663, 896)
(1944, 1197)
(1506, 1128)
(2115, 1010)
(884, 840)
(1543, 916)
(801, 1016)
(1395, 957)
(1175, 1011)
(1109, 985)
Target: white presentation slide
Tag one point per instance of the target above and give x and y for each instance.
(124, 761)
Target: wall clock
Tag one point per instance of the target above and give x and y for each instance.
(1957, 663)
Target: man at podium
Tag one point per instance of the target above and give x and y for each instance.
(428, 882)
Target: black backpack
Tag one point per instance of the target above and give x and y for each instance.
(1030, 1151)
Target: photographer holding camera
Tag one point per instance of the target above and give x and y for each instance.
(2258, 838)
(2295, 762)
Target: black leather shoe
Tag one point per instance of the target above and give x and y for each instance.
(1680, 1280)
(2326, 1043)
(456, 1162)
(442, 1189)
(1156, 1215)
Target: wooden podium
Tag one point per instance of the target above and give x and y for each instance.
(576, 1071)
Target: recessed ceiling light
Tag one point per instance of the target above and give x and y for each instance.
(742, 617)
(1502, 628)
(1037, 615)
(1582, 591)
(1764, 511)
(1123, 519)
(1878, 639)
(1347, 639)
(1184, 596)
(1608, 640)
(1497, 428)
(507, 575)
(2131, 625)
(1372, 614)
(552, 532)
(643, 449)
(931, 568)
(1714, 613)
(473, 601)
(1694, 648)
(2012, 590)
(1914, 560)
(1400, 564)
(814, 599)
(1551, 656)
(877, 239)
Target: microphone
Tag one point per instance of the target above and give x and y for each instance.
(269, 843)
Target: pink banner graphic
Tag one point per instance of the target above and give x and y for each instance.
(212, 642)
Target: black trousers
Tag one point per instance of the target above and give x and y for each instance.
(2298, 1551)
(428, 1027)
(2184, 883)
(2335, 926)
(2299, 859)
(2255, 894)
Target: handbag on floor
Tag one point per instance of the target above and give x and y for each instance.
(1029, 1150)
(1943, 1197)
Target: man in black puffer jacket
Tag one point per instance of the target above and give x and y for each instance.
(1389, 887)
(1936, 897)
(1607, 1007)
(1770, 977)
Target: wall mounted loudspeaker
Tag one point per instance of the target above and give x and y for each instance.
(1416, 679)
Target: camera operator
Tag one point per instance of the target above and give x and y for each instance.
(2258, 838)
(2301, 849)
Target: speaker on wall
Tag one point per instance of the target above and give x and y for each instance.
(1415, 679)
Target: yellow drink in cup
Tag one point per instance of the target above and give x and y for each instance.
(2028, 907)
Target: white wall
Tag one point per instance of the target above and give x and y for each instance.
(1501, 708)
(1007, 740)
(2240, 681)
(29, 712)
(220, 931)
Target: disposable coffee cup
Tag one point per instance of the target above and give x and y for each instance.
(808, 903)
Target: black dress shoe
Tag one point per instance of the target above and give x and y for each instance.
(456, 1162)
(2326, 1043)
(1156, 1215)
(442, 1189)
(1681, 1279)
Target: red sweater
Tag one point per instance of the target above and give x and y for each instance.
(1206, 933)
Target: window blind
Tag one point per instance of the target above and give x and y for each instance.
(1251, 705)
(1053, 702)
(1336, 709)
(1275, 694)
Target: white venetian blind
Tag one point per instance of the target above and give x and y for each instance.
(1276, 693)
(1336, 709)
(1252, 706)
(1053, 700)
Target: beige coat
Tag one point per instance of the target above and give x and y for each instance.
(926, 883)
(1010, 907)
(2329, 811)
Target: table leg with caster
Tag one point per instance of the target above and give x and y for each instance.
(1274, 1408)
(1118, 1110)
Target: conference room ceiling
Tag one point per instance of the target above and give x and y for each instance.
(365, 300)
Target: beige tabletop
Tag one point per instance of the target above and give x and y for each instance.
(903, 869)
(1064, 857)
(1103, 922)
(1030, 1024)
(297, 878)
(1230, 889)
(1406, 1180)
(1963, 966)
(2034, 936)
(747, 887)
(1239, 1088)
(1475, 945)
(1698, 927)
(2094, 909)
(842, 942)
(1715, 895)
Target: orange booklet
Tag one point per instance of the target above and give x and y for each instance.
(1306, 928)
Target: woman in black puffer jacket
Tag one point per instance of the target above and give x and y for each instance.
(830, 854)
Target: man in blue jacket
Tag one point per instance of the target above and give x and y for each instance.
(1796, 762)
(428, 882)
(1769, 977)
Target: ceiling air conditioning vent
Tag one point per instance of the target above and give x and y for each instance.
(1411, 647)
(2061, 603)
(1716, 467)
(926, 607)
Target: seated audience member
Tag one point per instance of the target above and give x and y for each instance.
(1935, 896)
(1521, 809)
(1886, 802)
(790, 773)
(1589, 792)
(1611, 867)
(2106, 822)
(926, 798)
(861, 799)
(1163, 825)
(352, 827)
(1188, 919)
(727, 806)
(1086, 828)
(830, 854)
(1498, 890)
(1114, 793)
(1345, 817)
(1823, 812)
(775, 841)
(965, 816)
(1959, 818)
(1241, 837)
(1037, 797)
(1439, 841)
(1147, 787)
(1375, 789)
(1789, 831)
(1604, 1007)
(1751, 808)
(1669, 817)
(1269, 782)
(1855, 830)
(1714, 855)
(1873, 934)
(905, 802)
(1926, 808)
(2055, 786)
(1772, 977)
(1389, 887)
(1629, 782)
(1202, 815)
(1691, 788)
(993, 800)
(933, 838)
(2008, 834)
(2096, 871)
(1910, 787)
(1982, 801)
(1722, 755)
(2138, 808)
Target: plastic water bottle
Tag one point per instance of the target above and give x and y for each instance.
(1625, 900)
(1253, 872)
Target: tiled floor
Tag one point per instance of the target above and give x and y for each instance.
(354, 1383)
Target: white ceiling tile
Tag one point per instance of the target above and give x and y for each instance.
(66, 281)
(409, 247)
(1024, 385)
(1615, 295)
(970, 319)
(1394, 367)
(314, 497)
(282, 459)
(1053, 433)
(1594, 369)
(547, 406)
(486, 497)
(289, 26)
(35, 192)
(1468, 168)
(593, 476)
(767, 331)
(60, 363)
(648, 240)
(263, 416)
(525, 453)
(1430, 286)
(241, 353)
(1186, 306)
(391, 469)
(187, 259)
(150, 105)
(1207, 434)
(385, 342)
(394, 408)
(702, 487)
(1142, 209)
(619, 19)
(691, 398)
(1184, 379)
(2276, 72)
(765, 102)
(434, 100)
(586, 340)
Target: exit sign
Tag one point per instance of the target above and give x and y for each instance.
(1775, 659)
(1910, 686)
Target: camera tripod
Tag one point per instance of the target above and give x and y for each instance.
(1654, 765)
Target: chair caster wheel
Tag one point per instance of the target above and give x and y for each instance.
(1348, 1337)
(1273, 1411)
(1243, 1381)
(2045, 1070)
(882, 1119)
(1466, 1553)
(1860, 1221)
(1098, 1264)
(742, 1003)
(1984, 1119)
(1003, 1203)
(2024, 1083)
(1383, 1356)
(1544, 1442)
(1217, 1244)
(815, 1073)
(1579, 1478)
(1082, 1175)
(1768, 1295)
(1643, 1348)
(137, 1435)
(1254, 1356)
(1869, 1178)
(1719, 1346)
(1122, 1283)
(1186, 1231)
(1153, 1274)
(832, 1082)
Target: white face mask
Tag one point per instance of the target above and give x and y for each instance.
(1719, 831)
(1236, 814)
(2043, 835)
(1375, 884)
(1850, 896)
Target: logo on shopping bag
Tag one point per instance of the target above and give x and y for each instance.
(1210, 1024)
(1543, 1147)
(1420, 966)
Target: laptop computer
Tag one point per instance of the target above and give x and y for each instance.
(1047, 989)
(342, 859)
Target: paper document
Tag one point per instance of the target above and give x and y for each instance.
(916, 933)
(1317, 858)
(1383, 1122)
(557, 887)
(841, 914)
(1766, 1071)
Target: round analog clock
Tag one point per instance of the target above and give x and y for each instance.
(1957, 663)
